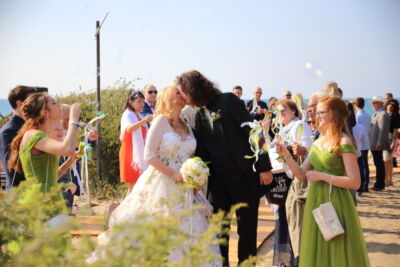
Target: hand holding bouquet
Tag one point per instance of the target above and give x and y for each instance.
(195, 172)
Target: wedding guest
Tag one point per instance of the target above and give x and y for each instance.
(332, 160)
(132, 136)
(392, 108)
(16, 98)
(150, 97)
(363, 118)
(289, 217)
(360, 138)
(224, 143)
(238, 91)
(257, 107)
(33, 151)
(330, 86)
(388, 97)
(379, 140)
(272, 102)
(298, 99)
(75, 170)
(56, 132)
(351, 120)
(287, 94)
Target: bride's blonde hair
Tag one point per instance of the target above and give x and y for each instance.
(165, 101)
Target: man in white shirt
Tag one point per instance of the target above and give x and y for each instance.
(364, 119)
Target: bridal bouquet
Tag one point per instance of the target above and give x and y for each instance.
(195, 172)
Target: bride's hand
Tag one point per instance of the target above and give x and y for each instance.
(177, 177)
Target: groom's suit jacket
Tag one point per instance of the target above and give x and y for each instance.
(226, 143)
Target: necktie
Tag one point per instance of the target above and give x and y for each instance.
(204, 120)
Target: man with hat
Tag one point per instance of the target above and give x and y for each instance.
(379, 140)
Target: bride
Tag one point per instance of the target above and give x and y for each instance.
(168, 144)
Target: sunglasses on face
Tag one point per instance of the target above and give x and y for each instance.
(310, 122)
(152, 92)
(288, 95)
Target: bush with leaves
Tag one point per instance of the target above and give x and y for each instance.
(145, 242)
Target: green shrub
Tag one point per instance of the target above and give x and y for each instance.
(112, 102)
(145, 242)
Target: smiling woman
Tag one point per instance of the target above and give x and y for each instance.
(332, 160)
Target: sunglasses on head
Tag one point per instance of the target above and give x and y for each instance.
(152, 92)
(135, 94)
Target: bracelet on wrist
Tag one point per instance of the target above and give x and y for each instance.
(77, 123)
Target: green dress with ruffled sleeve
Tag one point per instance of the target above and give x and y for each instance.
(348, 249)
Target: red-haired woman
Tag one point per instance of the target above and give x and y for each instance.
(132, 136)
(32, 151)
(332, 159)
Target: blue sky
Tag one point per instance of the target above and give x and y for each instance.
(278, 45)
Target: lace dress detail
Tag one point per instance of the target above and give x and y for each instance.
(154, 189)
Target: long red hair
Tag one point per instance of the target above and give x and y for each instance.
(338, 113)
(34, 108)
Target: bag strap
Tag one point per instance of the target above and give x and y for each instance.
(330, 186)
(15, 173)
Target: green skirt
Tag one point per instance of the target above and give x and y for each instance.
(348, 249)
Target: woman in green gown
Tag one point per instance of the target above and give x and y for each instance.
(32, 151)
(332, 158)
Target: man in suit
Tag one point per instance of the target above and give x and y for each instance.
(379, 140)
(257, 107)
(238, 91)
(16, 98)
(222, 141)
(150, 97)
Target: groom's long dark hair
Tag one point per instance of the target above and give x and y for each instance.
(198, 87)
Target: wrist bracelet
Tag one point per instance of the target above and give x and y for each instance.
(77, 123)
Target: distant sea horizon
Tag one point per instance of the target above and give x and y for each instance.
(5, 108)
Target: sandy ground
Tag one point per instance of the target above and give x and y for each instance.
(380, 219)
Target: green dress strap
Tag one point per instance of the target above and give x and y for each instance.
(347, 148)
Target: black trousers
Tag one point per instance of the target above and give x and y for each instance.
(380, 168)
(228, 187)
(364, 171)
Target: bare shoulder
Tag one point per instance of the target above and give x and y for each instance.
(346, 139)
(28, 135)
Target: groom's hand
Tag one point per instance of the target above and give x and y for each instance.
(265, 178)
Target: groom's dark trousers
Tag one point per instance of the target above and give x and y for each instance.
(232, 179)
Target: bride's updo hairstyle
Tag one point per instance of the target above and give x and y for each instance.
(337, 125)
(34, 110)
(165, 101)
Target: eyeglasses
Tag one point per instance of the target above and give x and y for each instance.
(152, 92)
(319, 113)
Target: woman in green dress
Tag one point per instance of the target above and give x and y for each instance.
(32, 151)
(332, 158)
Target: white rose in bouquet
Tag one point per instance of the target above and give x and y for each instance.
(195, 172)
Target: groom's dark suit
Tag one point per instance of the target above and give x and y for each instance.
(232, 179)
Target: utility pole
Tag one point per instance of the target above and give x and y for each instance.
(98, 145)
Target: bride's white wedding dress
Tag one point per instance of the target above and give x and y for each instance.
(153, 187)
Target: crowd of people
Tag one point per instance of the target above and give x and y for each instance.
(322, 147)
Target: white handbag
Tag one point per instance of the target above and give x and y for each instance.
(327, 219)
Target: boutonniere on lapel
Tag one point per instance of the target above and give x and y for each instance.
(215, 115)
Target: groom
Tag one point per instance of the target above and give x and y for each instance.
(222, 141)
